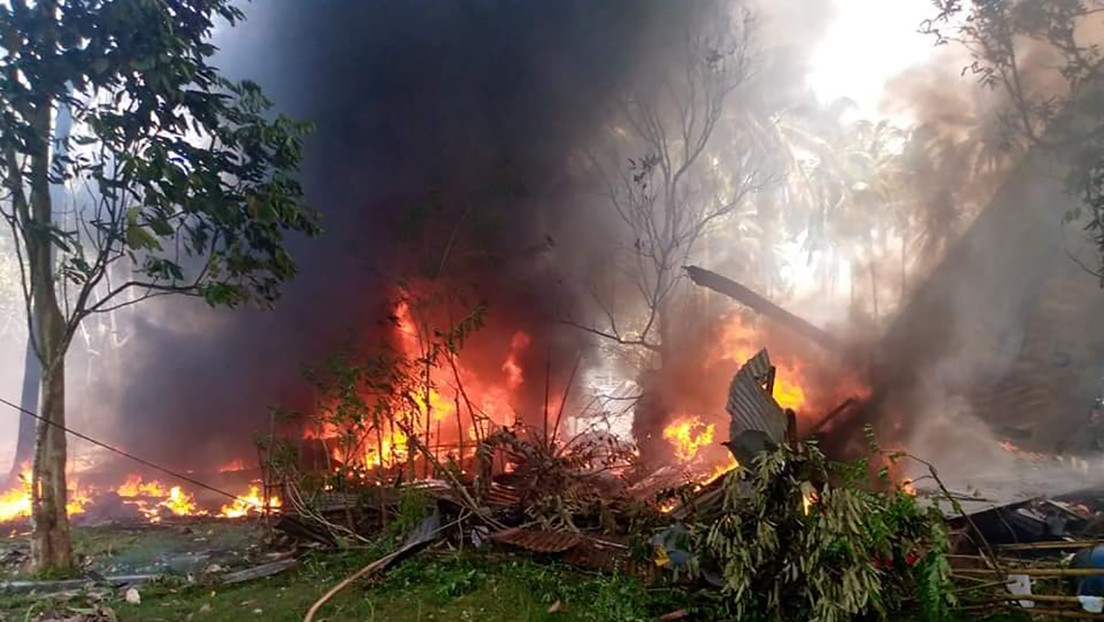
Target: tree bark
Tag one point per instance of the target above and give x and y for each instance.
(25, 443)
(51, 548)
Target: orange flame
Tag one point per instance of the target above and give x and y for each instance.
(135, 487)
(514, 375)
(688, 434)
(393, 447)
(180, 503)
(739, 342)
(249, 503)
(236, 465)
(153, 499)
(433, 413)
(721, 469)
(17, 502)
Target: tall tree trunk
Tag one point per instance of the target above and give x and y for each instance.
(28, 400)
(51, 548)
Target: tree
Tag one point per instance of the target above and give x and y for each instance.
(186, 186)
(672, 194)
(1044, 56)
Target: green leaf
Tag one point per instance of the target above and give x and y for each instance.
(161, 227)
(137, 237)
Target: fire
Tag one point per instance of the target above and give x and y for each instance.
(807, 500)
(738, 342)
(431, 412)
(153, 499)
(179, 503)
(17, 502)
(688, 434)
(249, 503)
(721, 469)
(135, 487)
(514, 375)
(394, 450)
(236, 465)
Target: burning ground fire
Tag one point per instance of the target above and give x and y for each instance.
(442, 419)
(458, 407)
(16, 503)
(152, 499)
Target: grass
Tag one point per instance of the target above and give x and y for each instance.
(452, 587)
(429, 587)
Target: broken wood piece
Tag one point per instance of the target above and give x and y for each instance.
(678, 614)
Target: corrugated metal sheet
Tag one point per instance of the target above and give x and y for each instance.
(537, 540)
(749, 404)
(500, 495)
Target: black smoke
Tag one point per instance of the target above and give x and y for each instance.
(456, 112)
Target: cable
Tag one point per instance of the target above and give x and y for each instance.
(121, 452)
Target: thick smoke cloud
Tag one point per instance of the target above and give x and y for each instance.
(436, 104)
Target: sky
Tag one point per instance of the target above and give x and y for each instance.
(867, 43)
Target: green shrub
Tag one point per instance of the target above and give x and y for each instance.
(801, 538)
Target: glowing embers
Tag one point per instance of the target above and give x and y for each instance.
(251, 503)
(688, 434)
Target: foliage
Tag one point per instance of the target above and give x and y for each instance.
(801, 538)
(414, 507)
(1044, 57)
(181, 173)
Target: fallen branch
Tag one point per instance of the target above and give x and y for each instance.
(986, 549)
(380, 564)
